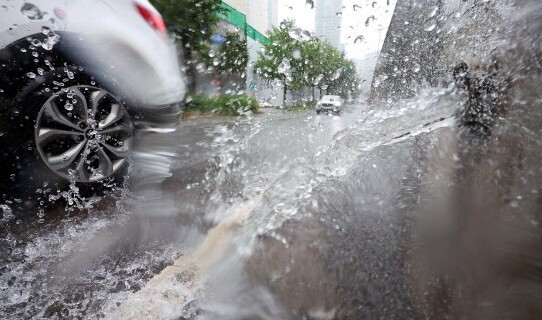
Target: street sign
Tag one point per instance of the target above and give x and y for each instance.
(218, 39)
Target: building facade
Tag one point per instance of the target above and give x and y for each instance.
(253, 18)
(328, 21)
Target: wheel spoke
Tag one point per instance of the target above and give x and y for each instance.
(95, 98)
(120, 152)
(120, 127)
(117, 113)
(45, 134)
(82, 97)
(106, 165)
(89, 143)
(82, 173)
(51, 110)
(66, 158)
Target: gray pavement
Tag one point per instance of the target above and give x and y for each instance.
(283, 215)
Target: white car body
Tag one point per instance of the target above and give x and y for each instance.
(78, 78)
(105, 37)
(330, 103)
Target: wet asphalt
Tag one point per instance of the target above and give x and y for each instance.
(342, 230)
(82, 263)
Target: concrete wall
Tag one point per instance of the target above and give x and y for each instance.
(426, 38)
(256, 11)
(261, 15)
(488, 264)
(239, 5)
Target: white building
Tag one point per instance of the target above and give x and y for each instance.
(254, 18)
(328, 21)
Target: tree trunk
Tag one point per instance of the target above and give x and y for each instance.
(285, 90)
(188, 58)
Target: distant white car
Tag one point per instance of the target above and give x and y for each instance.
(76, 77)
(330, 103)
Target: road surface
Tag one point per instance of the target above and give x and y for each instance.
(282, 215)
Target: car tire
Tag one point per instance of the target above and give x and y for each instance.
(66, 132)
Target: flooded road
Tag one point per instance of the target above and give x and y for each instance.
(282, 215)
(83, 262)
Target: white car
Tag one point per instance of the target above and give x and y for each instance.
(76, 78)
(329, 103)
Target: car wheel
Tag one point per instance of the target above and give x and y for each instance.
(67, 129)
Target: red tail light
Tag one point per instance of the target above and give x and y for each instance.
(61, 14)
(153, 18)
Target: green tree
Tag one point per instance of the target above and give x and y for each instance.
(330, 71)
(347, 83)
(281, 58)
(192, 22)
(314, 64)
(230, 58)
(299, 60)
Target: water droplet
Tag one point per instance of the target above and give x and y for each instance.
(430, 26)
(433, 12)
(368, 21)
(31, 75)
(7, 213)
(31, 11)
(68, 106)
(359, 38)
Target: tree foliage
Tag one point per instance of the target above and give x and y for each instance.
(230, 58)
(192, 22)
(298, 60)
(278, 60)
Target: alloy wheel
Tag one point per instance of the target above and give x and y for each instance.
(84, 133)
